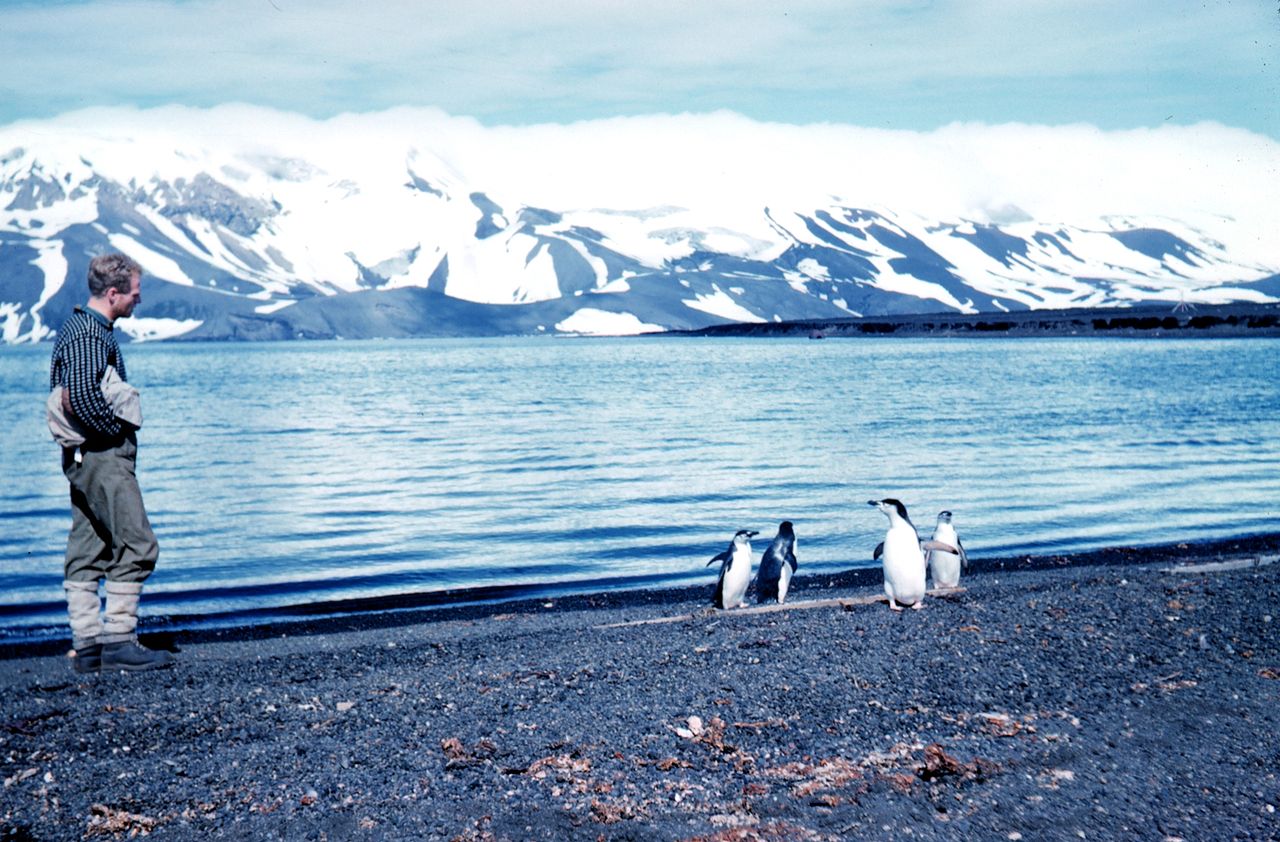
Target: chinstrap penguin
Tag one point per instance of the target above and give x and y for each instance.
(901, 557)
(735, 571)
(777, 565)
(945, 566)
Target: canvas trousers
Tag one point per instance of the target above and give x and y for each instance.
(110, 538)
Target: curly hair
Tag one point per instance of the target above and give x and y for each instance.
(112, 270)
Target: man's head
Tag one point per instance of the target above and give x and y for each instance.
(115, 283)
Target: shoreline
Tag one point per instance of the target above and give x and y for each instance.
(380, 612)
(1134, 697)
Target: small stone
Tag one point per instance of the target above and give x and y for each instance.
(343, 707)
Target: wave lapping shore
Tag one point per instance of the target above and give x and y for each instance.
(1133, 694)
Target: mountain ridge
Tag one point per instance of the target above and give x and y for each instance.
(302, 238)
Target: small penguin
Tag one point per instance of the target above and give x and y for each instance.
(901, 556)
(944, 565)
(777, 565)
(735, 571)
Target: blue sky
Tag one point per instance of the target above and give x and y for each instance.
(899, 64)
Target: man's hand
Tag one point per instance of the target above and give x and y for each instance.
(66, 403)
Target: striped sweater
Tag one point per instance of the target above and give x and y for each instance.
(86, 345)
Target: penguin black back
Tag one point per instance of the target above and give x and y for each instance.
(772, 581)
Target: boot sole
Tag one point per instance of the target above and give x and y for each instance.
(135, 667)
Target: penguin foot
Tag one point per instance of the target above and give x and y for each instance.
(894, 606)
(918, 606)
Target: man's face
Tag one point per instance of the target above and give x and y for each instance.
(122, 303)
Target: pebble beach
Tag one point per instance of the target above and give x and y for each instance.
(1131, 693)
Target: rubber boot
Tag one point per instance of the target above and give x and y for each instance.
(120, 647)
(132, 656)
(86, 626)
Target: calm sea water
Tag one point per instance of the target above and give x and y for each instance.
(280, 474)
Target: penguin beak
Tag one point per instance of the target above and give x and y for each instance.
(875, 503)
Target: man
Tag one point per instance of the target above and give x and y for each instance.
(111, 538)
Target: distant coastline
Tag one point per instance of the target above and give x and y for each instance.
(1146, 321)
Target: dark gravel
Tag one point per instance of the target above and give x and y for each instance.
(1083, 701)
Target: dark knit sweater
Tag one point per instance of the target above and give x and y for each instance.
(85, 346)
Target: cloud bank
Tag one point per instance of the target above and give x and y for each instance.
(719, 162)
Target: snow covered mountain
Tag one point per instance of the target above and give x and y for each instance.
(253, 224)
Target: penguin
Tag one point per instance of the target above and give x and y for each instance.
(901, 557)
(735, 571)
(777, 565)
(945, 566)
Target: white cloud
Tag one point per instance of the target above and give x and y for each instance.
(722, 168)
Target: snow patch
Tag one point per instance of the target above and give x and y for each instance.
(889, 280)
(273, 306)
(141, 329)
(814, 269)
(10, 321)
(720, 304)
(51, 262)
(616, 285)
(152, 263)
(592, 322)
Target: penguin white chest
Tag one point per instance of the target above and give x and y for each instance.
(784, 583)
(944, 566)
(904, 567)
(737, 577)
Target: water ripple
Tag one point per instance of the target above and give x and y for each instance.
(519, 464)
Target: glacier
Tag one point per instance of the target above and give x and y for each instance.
(257, 224)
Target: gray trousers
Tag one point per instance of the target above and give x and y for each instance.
(110, 536)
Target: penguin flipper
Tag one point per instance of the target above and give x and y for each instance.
(723, 557)
(793, 561)
(717, 599)
(940, 546)
(875, 556)
(964, 557)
